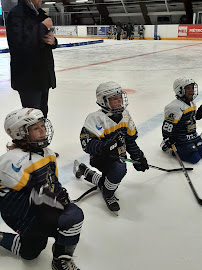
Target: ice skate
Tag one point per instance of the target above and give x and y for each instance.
(79, 169)
(64, 262)
(112, 204)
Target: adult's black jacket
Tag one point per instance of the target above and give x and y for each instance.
(32, 64)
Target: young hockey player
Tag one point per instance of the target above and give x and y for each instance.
(179, 126)
(32, 201)
(106, 135)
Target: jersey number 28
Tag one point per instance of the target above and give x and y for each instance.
(168, 127)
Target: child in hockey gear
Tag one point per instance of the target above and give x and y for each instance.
(141, 30)
(179, 126)
(32, 201)
(106, 135)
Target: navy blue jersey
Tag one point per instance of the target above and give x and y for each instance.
(99, 128)
(180, 122)
(19, 177)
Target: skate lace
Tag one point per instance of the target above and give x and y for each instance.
(112, 199)
(86, 171)
(67, 263)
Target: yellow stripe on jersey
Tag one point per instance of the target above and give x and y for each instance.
(175, 121)
(114, 128)
(171, 120)
(189, 109)
(35, 166)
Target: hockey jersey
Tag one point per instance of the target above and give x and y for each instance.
(19, 176)
(180, 121)
(99, 128)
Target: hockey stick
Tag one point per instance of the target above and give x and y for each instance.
(186, 175)
(84, 194)
(155, 167)
(133, 161)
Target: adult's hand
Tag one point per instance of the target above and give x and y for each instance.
(49, 39)
(48, 23)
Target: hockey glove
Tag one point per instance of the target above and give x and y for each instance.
(166, 146)
(110, 150)
(141, 164)
(63, 197)
(199, 113)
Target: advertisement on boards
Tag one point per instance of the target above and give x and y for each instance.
(102, 31)
(66, 31)
(190, 31)
(2, 31)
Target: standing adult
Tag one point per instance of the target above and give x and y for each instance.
(119, 30)
(129, 30)
(31, 42)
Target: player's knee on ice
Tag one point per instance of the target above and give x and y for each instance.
(190, 152)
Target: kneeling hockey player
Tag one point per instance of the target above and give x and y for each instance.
(106, 135)
(179, 126)
(32, 201)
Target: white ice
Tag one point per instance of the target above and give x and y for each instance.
(160, 222)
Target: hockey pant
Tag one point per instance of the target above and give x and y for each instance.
(191, 151)
(108, 182)
(64, 226)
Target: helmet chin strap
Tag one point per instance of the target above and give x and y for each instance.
(111, 112)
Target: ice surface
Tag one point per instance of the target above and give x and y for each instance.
(160, 223)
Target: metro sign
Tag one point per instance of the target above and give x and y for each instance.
(190, 31)
(2, 31)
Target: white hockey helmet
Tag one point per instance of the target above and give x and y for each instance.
(180, 84)
(107, 90)
(17, 123)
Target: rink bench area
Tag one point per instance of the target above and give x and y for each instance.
(64, 44)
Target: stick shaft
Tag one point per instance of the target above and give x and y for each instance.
(155, 167)
(186, 175)
(84, 194)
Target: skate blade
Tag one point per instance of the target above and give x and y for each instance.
(116, 213)
(76, 168)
